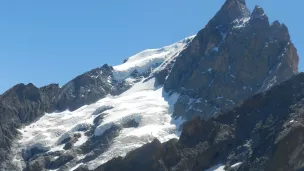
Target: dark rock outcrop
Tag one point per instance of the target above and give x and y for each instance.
(24, 104)
(264, 133)
(21, 104)
(236, 55)
(49, 161)
(88, 88)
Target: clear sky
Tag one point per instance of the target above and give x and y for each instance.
(52, 41)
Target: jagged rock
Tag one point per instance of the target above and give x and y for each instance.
(96, 145)
(49, 161)
(235, 56)
(102, 109)
(84, 89)
(264, 133)
(24, 104)
(21, 104)
(71, 141)
(145, 158)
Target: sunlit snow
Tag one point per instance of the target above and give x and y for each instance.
(221, 167)
(217, 168)
(241, 22)
(236, 164)
(147, 105)
(147, 59)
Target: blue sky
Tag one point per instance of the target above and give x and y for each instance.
(52, 41)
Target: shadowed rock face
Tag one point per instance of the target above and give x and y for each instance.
(264, 133)
(236, 55)
(21, 104)
(24, 104)
(84, 89)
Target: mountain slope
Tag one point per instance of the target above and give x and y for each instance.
(133, 118)
(236, 55)
(264, 133)
(110, 111)
(76, 123)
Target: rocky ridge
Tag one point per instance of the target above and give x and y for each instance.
(236, 55)
(263, 133)
(24, 104)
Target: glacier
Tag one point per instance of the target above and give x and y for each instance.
(144, 103)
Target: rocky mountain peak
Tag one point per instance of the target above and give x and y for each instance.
(22, 92)
(235, 56)
(258, 11)
(231, 10)
(263, 133)
(236, 1)
(258, 17)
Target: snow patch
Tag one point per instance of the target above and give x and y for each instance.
(241, 22)
(148, 106)
(292, 121)
(236, 164)
(83, 138)
(215, 49)
(217, 168)
(148, 59)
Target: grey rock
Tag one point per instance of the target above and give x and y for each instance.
(264, 133)
(235, 56)
(24, 104)
(102, 109)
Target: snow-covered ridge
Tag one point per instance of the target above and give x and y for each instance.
(149, 107)
(149, 59)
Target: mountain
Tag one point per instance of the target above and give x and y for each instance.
(235, 56)
(264, 133)
(52, 126)
(231, 94)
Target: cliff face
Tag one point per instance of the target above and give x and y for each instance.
(236, 55)
(264, 133)
(21, 104)
(235, 70)
(87, 89)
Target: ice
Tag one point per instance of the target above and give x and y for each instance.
(231, 101)
(81, 140)
(221, 167)
(241, 22)
(75, 167)
(292, 121)
(236, 164)
(149, 59)
(150, 107)
(216, 49)
(94, 76)
(232, 75)
(217, 168)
